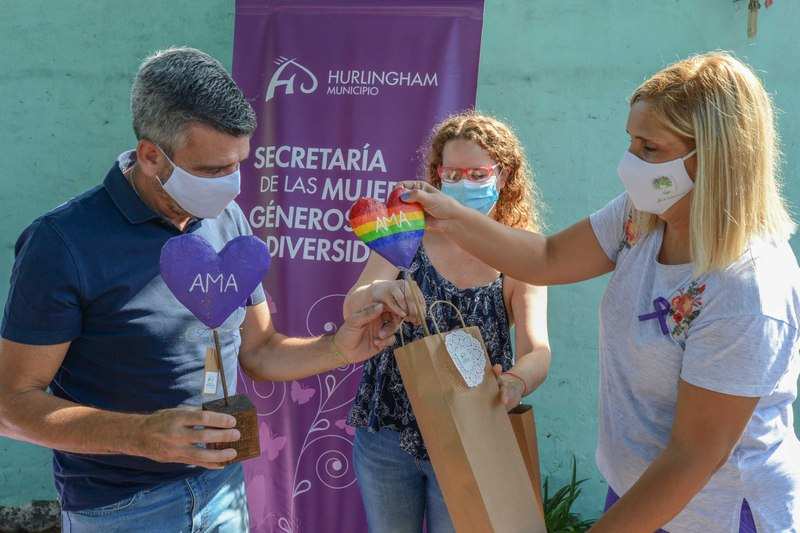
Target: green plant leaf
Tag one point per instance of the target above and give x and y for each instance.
(558, 514)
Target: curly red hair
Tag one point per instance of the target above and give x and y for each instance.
(517, 205)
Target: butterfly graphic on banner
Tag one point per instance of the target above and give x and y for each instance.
(301, 395)
(325, 450)
(274, 444)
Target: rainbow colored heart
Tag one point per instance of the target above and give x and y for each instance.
(393, 230)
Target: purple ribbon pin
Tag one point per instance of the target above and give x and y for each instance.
(662, 308)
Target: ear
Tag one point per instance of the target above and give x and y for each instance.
(150, 160)
(502, 178)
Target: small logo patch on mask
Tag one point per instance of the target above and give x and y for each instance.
(663, 184)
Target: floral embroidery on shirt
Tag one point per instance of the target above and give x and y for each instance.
(684, 308)
(629, 234)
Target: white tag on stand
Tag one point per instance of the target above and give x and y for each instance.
(211, 383)
(211, 373)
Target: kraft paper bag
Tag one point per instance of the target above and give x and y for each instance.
(467, 431)
(524, 424)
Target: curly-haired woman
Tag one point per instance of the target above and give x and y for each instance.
(479, 162)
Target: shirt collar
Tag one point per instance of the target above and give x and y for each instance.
(122, 193)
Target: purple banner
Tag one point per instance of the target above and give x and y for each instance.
(346, 94)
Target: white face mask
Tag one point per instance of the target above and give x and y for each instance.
(202, 197)
(655, 187)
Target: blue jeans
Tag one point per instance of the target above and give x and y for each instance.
(213, 501)
(399, 491)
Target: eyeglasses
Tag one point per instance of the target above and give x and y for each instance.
(455, 174)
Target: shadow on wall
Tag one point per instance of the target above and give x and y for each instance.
(38, 516)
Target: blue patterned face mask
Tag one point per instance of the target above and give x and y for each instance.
(481, 196)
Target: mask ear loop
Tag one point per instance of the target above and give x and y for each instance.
(164, 153)
(158, 178)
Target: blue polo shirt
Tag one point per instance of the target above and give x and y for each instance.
(88, 273)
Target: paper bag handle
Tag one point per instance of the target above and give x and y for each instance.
(433, 319)
(414, 297)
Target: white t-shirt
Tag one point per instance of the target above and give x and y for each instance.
(735, 332)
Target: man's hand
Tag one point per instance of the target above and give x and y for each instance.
(170, 435)
(392, 294)
(367, 332)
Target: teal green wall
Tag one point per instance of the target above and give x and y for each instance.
(558, 71)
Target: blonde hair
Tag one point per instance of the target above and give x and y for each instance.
(517, 205)
(718, 102)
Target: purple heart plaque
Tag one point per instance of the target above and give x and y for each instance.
(213, 285)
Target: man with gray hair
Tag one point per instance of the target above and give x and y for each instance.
(89, 316)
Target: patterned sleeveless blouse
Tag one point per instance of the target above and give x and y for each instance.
(381, 400)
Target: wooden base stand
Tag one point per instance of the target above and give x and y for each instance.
(240, 407)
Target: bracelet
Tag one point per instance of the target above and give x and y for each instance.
(524, 385)
(339, 354)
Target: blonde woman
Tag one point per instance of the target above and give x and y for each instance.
(478, 161)
(699, 323)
